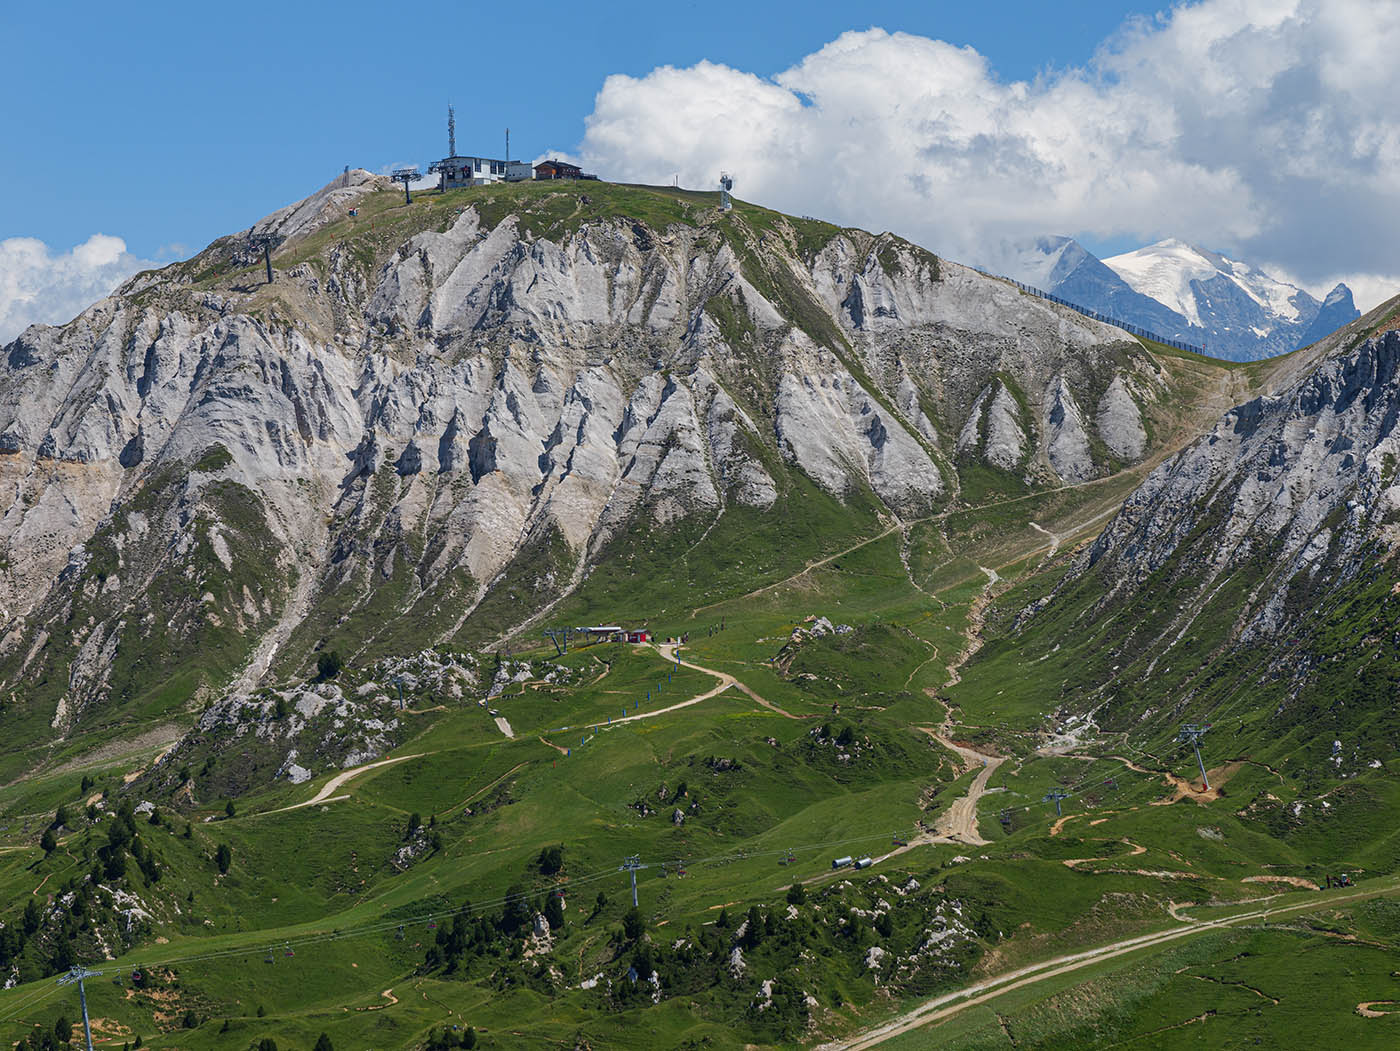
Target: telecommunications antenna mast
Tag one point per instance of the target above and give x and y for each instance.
(406, 176)
(726, 183)
(451, 131)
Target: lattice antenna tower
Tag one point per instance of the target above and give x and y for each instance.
(451, 131)
(726, 183)
(406, 176)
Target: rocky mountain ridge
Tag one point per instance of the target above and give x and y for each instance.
(1252, 574)
(430, 401)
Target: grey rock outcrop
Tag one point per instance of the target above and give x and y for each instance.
(994, 429)
(1119, 422)
(1297, 485)
(482, 408)
(1067, 443)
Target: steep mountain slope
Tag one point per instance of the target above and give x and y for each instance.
(864, 485)
(1250, 580)
(440, 418)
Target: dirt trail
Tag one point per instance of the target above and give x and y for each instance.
(804, 570)
(1137, 850)
(1292, 881)
(957, 824)
(941, 1007)
(972, 635)
(959, 821)
(388, 995)
(1366, 1008)
(668, 652)
(326, 794)
(726, 680)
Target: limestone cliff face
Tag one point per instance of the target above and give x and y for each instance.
(1289, 495)
(428, 395)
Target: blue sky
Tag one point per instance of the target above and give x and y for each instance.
(1263, 129)
(171, 124)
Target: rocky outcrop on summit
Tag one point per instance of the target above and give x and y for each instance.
(426, 405)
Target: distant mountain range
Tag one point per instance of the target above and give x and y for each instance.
(1179, 291)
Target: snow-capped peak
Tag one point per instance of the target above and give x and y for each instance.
(1165, 271)
(1038, 262)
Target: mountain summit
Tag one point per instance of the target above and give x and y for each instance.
(440, 419)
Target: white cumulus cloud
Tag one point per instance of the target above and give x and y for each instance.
(1265, 129)
(39, 285)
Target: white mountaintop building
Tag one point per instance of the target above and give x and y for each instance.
(455, 171)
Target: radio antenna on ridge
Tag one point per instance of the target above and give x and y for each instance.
(451, 131)
(726, 183)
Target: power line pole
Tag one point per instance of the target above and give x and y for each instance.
(405, 176)
(1055, 795)
(631, 866)
(77, 974)
(1193, 733)
(267, 242)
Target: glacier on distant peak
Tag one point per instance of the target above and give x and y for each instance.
(1167, 271)
(1181, 291)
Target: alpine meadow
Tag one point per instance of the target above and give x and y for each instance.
(564, 613)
